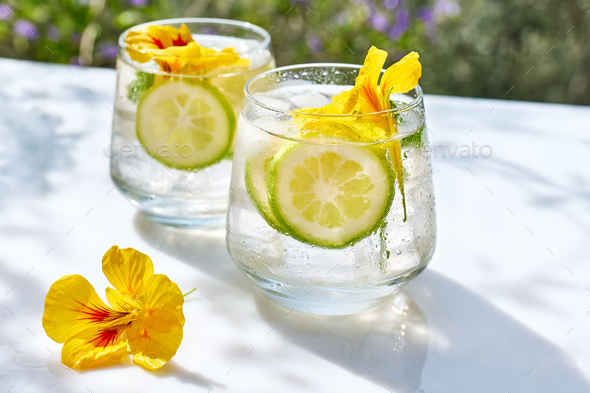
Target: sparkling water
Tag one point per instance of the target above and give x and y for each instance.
(310, 278)
(173, 196)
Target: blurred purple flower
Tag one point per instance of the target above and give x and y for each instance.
(446, 8)
(402, 22)
(379, 22)
(138, 3)
(5, 13)
(108, 50)
(75, 60)
(209, 30)
(315, 43)
(425, 15)
(53, 33)
(390, 4)
(26, 29)
(76, 37)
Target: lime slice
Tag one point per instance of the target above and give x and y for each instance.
(256, 179)
(185, 125)
(330, 196)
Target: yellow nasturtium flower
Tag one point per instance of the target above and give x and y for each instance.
(368, 97)
(144, 317)
(176, 52)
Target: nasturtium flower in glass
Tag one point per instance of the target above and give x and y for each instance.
(144, 316)
(361, 112)
(175, 51)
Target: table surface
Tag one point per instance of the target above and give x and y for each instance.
(502, 307)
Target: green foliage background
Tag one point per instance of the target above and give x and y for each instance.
(527, 48)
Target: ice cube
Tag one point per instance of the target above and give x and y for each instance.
(310, 98)
(274, 103)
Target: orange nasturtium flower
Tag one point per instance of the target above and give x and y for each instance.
(144, 317)
(176, 52)
(369, 96)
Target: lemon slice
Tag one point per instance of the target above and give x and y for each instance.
(330, 196)
(184, 125)
(256, 172)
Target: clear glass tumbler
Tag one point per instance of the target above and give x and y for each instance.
(172, 142)
(316, 219)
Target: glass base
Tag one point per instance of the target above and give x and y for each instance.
(321, 300)
(175, 211)
(187, 222)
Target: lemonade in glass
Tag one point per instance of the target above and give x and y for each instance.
(179, 91)
(331, 201)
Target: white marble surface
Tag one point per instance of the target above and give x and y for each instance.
(502, 306)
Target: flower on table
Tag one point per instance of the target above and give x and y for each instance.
(175, 51)
(144, 318)
(368, 96)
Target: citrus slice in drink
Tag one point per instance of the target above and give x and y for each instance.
(330, 196)
(256, 172)
(185, 125)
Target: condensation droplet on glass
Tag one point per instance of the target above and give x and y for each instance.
(398, 252)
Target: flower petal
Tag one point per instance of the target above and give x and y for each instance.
(121, 302)
(71, 306)
(373, 65)
(369, 98)
(162, 294)
(175, 51)
(156, 340)
(402, 76)
(127, 270)
(94, 347)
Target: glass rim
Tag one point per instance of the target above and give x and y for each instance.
(410, 105)
(265, 43)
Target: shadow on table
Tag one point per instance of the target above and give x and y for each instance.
(387, 346)
(203, 249)
(31, 149)
(174, 370)
(435, 336)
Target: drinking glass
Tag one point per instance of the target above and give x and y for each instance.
(317, 219)
(172, 176)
